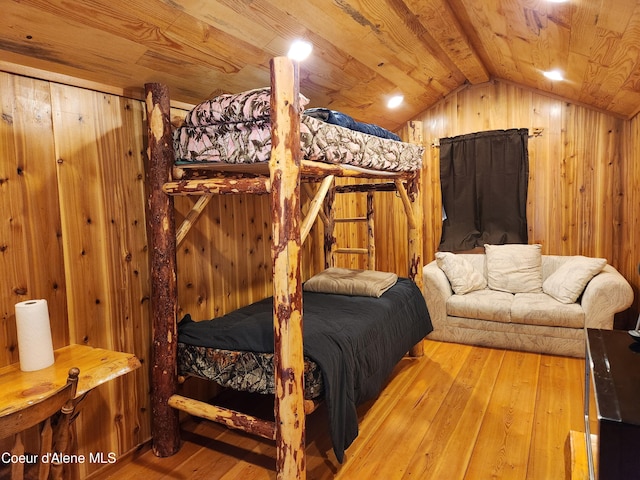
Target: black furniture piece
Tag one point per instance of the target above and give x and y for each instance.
(612, 405)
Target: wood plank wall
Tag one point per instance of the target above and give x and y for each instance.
(234, 237)
(628, 226)
(73, 232)
(72, 220)
(31, 253)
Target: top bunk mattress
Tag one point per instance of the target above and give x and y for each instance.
(236, 129)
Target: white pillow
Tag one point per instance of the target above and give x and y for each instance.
(463, 276)
(567, 282)
(514, 268)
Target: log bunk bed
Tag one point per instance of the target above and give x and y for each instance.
(281, 178)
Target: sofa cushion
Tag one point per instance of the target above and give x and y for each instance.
(482, 304)
(569, 280)
(514, 268)
(541, 309)
(463, 276)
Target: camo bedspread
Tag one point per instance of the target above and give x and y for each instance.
(244, 371)
(237, 129)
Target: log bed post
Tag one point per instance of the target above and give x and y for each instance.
(415, 232)
(414, 133)
(371, 238)
(329, 237)
(164, 307)
(284, 168)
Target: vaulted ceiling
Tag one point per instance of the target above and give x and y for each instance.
(364, 50)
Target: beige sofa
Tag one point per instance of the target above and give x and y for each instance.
(536, 312)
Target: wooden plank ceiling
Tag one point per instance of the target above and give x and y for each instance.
(364, 50)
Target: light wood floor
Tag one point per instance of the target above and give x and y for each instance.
(459, 412)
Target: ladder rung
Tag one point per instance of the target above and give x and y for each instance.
(350, 219)
(363, 251)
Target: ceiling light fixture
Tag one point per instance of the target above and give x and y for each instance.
(300, 50)
(395, 101)
(555, 75)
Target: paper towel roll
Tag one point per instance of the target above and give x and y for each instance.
(35, 347)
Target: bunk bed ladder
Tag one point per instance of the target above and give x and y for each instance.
(330, 241)
(370, 250)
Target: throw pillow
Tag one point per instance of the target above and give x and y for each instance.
(567, 282)
(463, 276)
(514, 268)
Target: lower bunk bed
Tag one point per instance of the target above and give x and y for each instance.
(291, 329)
(352, 341)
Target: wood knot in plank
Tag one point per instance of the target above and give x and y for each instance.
(38, 389)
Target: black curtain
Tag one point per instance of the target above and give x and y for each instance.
(484, 178)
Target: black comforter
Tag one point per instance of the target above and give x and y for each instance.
(356, 341)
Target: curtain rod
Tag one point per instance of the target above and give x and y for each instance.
(537, 132)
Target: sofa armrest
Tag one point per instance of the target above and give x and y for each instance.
(437, 290)
(605, 295)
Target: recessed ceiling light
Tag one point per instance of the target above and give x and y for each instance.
(395, 101)
(555, 75)
(300, 50)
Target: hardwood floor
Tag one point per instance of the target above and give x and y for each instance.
(459, 412)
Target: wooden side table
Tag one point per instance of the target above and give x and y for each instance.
(96, 365)
(612, 405)
(19, 389)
